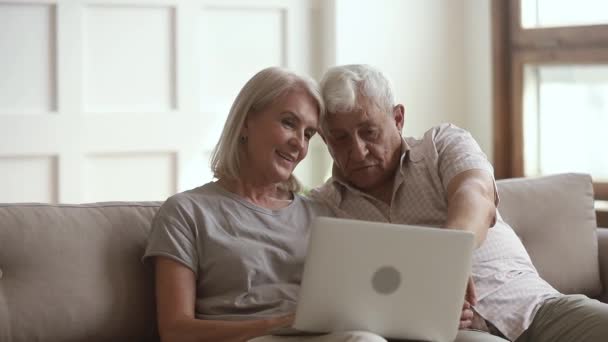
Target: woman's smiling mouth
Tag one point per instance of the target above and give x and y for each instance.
(287, 157)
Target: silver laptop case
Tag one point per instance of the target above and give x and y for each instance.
(403, 282)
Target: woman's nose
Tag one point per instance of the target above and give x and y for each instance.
(299, 141)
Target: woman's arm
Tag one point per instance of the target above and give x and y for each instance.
(175, 298)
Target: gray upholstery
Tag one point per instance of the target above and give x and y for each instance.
(73, 272)
(555, 218)
(602, 234)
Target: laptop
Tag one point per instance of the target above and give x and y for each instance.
(398, 281)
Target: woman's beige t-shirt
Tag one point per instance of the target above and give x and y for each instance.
(247, 260)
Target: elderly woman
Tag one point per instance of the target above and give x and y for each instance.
(229, 255)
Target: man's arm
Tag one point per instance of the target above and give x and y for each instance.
(471, 203)
(471, 207)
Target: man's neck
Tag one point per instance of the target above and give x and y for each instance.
(383, 192)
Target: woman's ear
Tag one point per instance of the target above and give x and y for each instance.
(245, 127)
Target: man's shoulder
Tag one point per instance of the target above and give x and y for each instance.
(329, 193)
(444, 130)
(314, 205)
(435, 133)
(426, 146)
(437, 138)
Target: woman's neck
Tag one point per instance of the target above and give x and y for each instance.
(270, 196)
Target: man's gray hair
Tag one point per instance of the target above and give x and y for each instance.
(259, 92)
(345, 87)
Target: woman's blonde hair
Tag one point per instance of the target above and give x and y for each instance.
(259, 92)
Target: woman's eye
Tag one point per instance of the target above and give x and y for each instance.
(288, 123)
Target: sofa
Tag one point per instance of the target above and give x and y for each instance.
(74, 272)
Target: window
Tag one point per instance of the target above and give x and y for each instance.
(551, 90)
(562, 13)
(565, 113)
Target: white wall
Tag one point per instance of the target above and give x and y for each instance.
(85, 115)
(418, 45)
(124, 99)
(436, 53)
(478, 75)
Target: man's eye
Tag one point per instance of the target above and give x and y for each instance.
(371, 133)
(338, 137)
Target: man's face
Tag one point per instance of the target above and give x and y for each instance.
(365, 144)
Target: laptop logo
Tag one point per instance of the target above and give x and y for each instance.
(386, 280)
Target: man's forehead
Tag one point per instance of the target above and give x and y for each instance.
(355, 118)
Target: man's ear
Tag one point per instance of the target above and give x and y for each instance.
(399, 116)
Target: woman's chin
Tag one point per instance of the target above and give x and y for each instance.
(280, 176)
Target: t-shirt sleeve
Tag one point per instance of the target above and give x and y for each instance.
(172, 235)
(457, 151)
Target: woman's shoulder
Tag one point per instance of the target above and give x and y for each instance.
(200, 196)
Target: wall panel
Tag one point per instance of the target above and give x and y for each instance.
(132, 176)
(139, 90)
(27, 58)
(129, 63)
(228, 63)
(28, 179)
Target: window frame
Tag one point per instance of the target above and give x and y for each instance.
(512, 48)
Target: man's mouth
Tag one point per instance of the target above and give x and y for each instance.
(361, 167)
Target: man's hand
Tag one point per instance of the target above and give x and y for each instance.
(470, 299)
(466, 316)
(471, 294)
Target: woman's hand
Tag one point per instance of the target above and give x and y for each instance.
(277, 323)
(282, 321)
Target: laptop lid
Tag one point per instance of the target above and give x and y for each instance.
(398, 281)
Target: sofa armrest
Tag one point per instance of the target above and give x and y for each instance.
(602, 236)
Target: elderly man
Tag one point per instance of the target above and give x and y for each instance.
(442, 180)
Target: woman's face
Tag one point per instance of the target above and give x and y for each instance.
(278, 137)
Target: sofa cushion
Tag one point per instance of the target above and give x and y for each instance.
(554, 217)
(602, 240)
(73, 272)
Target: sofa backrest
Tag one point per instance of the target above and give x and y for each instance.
(73, 272)
(554, 216)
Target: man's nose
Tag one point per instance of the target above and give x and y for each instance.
(359, 150)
